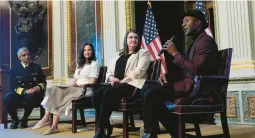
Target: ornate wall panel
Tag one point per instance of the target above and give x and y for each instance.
(84, 25)
(31, 26)
(248, 98)
(233, 108)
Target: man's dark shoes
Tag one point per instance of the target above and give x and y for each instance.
(14, 124)
(106, 133)
(23, 123)
(149, 135)
(99, 134)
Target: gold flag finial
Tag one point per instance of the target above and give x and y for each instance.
(149, 3)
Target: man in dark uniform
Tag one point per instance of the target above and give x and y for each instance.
(26, 88)
(201, 59)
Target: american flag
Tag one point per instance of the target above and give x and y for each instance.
(200, 6)
(151, 40)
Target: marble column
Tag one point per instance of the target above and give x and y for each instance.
(109, 30)
(234, 30)
(59, 43)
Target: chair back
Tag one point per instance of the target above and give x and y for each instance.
(153, 71)
(220, 89)
(102, 74)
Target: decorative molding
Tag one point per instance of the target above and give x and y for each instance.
(68, 5)
(242, 80)
(128, 14)
(59, 81)
(102, 29)
(251, 106)
(215, 21)
(248, 100)
(231, 109)
(242, 62)
(48, 70)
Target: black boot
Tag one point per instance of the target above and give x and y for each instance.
(14, 124)
(23, 123)
(108, 132)
(101, 133)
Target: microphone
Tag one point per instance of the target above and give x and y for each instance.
(162, 50)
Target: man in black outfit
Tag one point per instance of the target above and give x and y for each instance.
(27, 84)
(201, 59)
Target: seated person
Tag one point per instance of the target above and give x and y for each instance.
(26, 88)
(58, 99)
(126, 74)
(201, 59)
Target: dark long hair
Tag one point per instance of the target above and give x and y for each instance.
(82, 59)
(124, 51)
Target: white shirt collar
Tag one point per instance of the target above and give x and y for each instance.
(24, 65)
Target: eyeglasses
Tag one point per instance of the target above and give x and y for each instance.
(23, 55)
(133, 37)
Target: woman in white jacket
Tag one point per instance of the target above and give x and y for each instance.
(126, 74)
(58, 99)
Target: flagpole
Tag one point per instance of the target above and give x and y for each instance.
(149, 3)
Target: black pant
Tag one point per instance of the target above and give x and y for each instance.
(12, 101)
(154, 108)
(106, 99)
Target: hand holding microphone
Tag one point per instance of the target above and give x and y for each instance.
(169, 46)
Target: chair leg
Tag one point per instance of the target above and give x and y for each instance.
(132, 122)
(83, 121)
(125, 124)
(51, 119)
(42, 112)
(74, 120)
(5, 118)
(181, 127)
(96, 122)
(197, 130)
(224, 123)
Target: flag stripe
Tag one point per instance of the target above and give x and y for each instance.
(151, 40)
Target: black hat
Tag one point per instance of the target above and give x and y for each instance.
(197, 14)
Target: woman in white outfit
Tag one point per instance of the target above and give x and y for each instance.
(58, 98)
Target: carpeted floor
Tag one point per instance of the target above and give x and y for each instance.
(236, 131)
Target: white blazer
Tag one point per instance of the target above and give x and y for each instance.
(136, 68)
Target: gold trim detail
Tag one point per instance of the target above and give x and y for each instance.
(128, 14)
(50, 5)
(19, 91)
(102, 30)
(68, 5)
(242, 62)
(242, 80)
(59, 81)
(215, 22)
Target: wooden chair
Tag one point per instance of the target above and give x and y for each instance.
(133, 104)
(4, 75)
(85, 102)
(192, 111)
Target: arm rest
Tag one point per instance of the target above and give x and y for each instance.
(213, 77)
(152, 82)
(105, 84)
